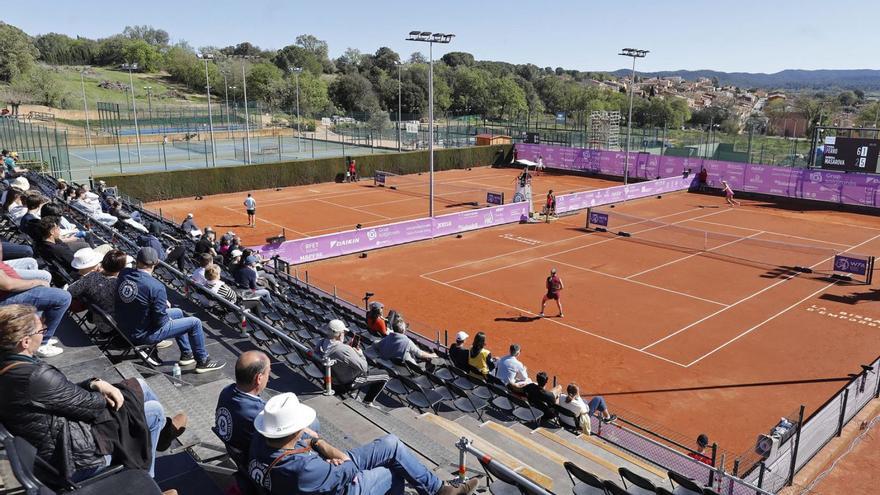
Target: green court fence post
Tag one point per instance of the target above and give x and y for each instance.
(313, 145)
(279, 148)
(205, 144)
(797, 441)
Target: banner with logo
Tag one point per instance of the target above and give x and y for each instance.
(819, 185)
(598, 197)
(354, 241)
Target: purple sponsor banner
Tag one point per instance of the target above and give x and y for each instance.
(354, 241)
(598, 197)
(818, 185)
(848, 264)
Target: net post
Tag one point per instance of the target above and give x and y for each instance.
(842, 412)
(797, 441)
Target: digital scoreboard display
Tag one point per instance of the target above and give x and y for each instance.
(850, 154)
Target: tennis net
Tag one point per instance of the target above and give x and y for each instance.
(755, 249)
(195, 146)
(447, 191)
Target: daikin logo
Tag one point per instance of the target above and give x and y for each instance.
(345, 242)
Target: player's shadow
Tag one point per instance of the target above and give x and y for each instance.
(232, 225)
(519, 319)
(853, 298)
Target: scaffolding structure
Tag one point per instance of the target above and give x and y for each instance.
(605, 130)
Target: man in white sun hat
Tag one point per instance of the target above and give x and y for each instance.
(282, 463)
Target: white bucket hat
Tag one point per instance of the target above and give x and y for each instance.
(283, 415)
(86, 258)
(20, 183)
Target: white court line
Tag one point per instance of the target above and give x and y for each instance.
(536, 247)
(765, 289)
(603, 241)
(691, 255)
(267, 221)
(351, 208)
(746, 210)
(81, 157)
(634, 281)
(743, 334)
(556, 321)
(773, 233)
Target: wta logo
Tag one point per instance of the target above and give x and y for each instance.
(848, 264)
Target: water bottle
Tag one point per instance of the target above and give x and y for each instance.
(175, 371)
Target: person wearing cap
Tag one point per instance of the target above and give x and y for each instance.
(375, 321)
(239, 404)
(700, 453)
(51, 302)
(89, 202)
(250, 206)
(280, 463)
(20, 185)
(10, 164)
(143, 312)
(234, 259)
(458, 353)
(98, 285)
(18, 209)
(189, 226)
(396, 346)
(245, 276)
(351, 370)
(554, 291)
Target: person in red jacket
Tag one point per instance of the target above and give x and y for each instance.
(352, 170)
(554, 290)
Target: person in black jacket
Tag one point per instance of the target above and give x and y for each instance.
(80, 429)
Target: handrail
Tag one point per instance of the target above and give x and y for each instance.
(466, 446)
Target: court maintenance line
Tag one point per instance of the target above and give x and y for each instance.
(772, 233)
(634, 281)
(765, 289)
(603, 241)
(267, 221)
(557, 322)
(691, 255)
(542, 245)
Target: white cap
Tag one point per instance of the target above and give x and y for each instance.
(86, 258)
(461, 336)
(235, 253)
(336, 327)
(189, 215)
(283, 415)
(20, 183)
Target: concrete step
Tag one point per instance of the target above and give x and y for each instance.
(494, 445)
(340, 425)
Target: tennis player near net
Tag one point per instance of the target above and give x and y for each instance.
(554, 290)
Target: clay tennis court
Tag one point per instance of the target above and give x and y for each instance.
(693, 341)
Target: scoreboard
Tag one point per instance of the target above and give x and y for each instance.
(850, 154)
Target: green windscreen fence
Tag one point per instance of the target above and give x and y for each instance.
(39, 147)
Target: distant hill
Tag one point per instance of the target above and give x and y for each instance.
(864, 79)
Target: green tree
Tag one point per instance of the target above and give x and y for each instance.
(379, 121)
(350, 61)
(455, 59)
(386, 59)
(296, 56)
(353, 93)
(149, 34)
(470, 90)
(17, 53)
(869, 115)
(265, 82)
(552, 93)
(506, 97)
(318, 48)
(418, 58)
(60, 49)
(183, 66)
(313, 98)
(41, 85)
(111, 51)
(145, 55)
(847, 98)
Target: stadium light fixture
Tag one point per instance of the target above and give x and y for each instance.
(634, 53)
(137, 131)
(206, 57)
(430, 38)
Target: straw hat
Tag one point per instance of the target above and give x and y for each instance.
(86, 258)
(283, 415)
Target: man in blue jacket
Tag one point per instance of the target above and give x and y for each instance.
(143, 312)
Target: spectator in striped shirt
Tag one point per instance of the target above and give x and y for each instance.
(215, 285)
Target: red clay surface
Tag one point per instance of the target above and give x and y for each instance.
(692, 342)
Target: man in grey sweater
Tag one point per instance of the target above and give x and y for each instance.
(351, 371)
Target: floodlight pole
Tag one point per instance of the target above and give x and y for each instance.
(82, 82)
(634, 53)
(296, 71)
(399, 106)
(205, 57)
(247, 120)
(226, 98)
(430, 38)
(137, 131)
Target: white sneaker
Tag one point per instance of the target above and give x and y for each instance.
(165, 344)
(53, 340)
(47, 351)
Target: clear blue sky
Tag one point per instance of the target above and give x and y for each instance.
(742, 35)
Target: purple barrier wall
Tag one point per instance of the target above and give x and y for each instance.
(354, 241)
(818, 185)
(597, 197)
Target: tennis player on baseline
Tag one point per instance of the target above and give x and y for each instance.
(250, 206)
(554, 290)
(728, 193)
